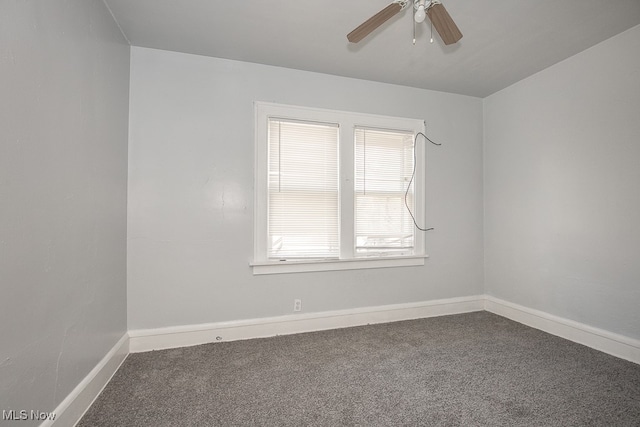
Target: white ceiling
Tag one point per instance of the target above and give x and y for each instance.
(504, 40)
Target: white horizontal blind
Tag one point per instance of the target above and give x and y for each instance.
(384, 163)
(303, 197)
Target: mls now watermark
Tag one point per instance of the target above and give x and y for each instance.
(24, 415)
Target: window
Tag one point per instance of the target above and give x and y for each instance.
(303, 183)
(330, 190)
(384, 163)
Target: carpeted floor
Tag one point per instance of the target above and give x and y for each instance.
(475, 369)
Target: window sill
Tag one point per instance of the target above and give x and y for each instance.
(260, 268)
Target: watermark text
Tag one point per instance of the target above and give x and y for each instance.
(27, 415)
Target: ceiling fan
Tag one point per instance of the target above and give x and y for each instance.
(438, 15)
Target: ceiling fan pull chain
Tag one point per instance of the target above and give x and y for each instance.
(414, 32)
(431, 31)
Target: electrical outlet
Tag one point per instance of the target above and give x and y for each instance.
(297, 305)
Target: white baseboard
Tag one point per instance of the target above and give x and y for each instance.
(599, 339)
(183, 336)
(74, 406)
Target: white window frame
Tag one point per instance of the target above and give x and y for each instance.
(347, 122)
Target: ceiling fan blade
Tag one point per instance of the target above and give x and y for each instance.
(445, 26)
(374, 22)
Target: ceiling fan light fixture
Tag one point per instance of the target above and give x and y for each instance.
(420, 14)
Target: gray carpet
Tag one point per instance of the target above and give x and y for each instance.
(474, 369)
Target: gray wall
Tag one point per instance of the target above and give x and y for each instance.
(191, 159)
(64, 74)
(562, 188)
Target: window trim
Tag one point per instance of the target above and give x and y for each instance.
(347, 122)
(260, 268)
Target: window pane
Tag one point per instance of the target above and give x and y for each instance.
(303, 190)
(384, 163)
